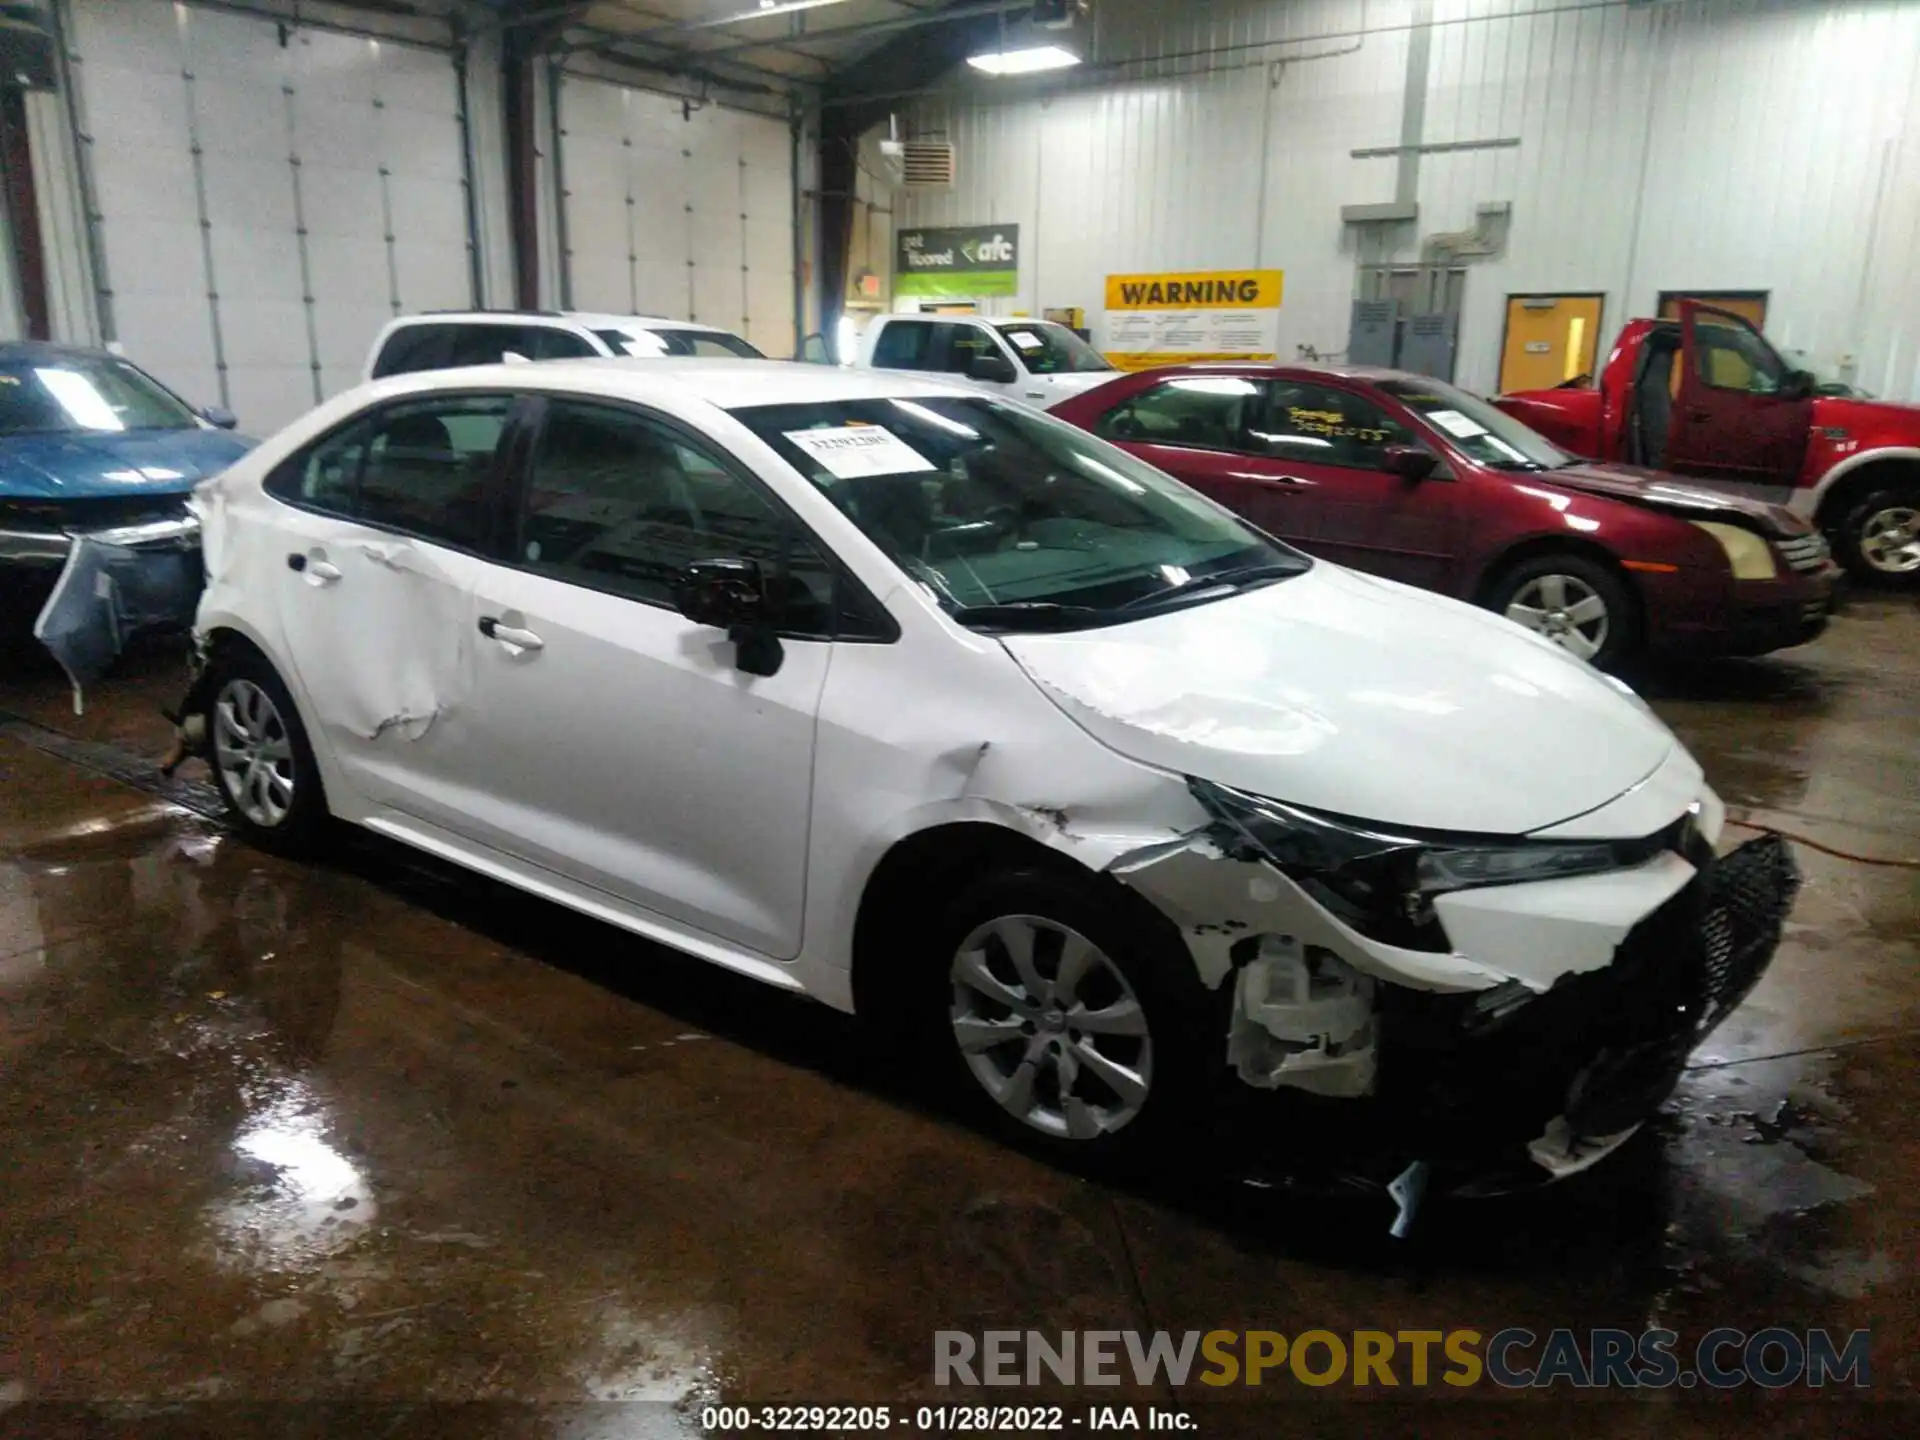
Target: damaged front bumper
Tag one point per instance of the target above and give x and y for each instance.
(1530, 1057)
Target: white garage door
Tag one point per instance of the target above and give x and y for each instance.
(267, 198)
(674, 211)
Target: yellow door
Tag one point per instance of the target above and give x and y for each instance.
(1551, 339)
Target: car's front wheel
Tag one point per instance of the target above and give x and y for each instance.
(1577, 603)
(262, 761)
(1065, 1023)
(1878, 538)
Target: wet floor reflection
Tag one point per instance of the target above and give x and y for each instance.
(380, 1129)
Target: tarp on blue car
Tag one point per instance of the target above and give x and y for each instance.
(108, 594)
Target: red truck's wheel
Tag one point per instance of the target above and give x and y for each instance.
(1878, 537)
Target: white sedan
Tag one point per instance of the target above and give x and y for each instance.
(931, 707)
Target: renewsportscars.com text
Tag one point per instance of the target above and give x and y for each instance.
(1772, 1357)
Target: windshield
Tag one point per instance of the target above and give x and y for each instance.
(1049, 349)
(80, 394)
(1488, 435)
(705, 344)
(992, 506)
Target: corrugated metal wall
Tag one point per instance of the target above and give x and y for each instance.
(1704, 144)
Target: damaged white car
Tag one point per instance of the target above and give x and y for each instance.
(930, 707)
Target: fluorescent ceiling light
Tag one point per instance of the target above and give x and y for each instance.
(1024, 62)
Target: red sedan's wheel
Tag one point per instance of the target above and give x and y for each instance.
(1577, 603)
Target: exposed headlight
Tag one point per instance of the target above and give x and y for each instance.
(1749, 554)
(1381, 881)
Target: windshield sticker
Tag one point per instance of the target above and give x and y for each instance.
(1454, 423)
(850, 451)
(1025, 339)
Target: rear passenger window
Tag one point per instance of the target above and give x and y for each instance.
(413, 348)
(1199, 412)
(544, 342)
(623, 504)
(424, 467)
(902, 345)
(484, 344)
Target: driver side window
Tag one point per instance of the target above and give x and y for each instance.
(1327, 426)
(1731, 357)
(620, 503)
(964, 344)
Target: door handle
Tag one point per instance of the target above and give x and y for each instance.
(319, 572)
(513, 635)
(1700, 415)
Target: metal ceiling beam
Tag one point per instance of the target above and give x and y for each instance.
(881, 27)
(641, 36)
(689, 64)
(742, 17)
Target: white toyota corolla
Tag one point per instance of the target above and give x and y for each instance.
(928, 706)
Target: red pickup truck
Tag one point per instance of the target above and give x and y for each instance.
(1707, 396)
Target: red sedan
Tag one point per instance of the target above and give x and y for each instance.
(1409, 478)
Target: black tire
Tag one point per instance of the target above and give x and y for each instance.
(1852, 544)
(1621, 637)
(1184, 1046)
(297, 826)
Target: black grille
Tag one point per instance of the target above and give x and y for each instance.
(95, 513)
(1803, 552)
(1748, 895)
(1463, 1078)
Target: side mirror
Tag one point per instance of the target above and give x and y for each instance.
(721, 593)
(1410, 462)
(992, 368)
(731, 595)
(1799, 385)
(219, 417)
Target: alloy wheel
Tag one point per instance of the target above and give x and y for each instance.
(253, 752)
(1050, 1027)
(1566, 610)
(1890, 540)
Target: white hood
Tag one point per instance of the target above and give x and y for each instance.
(1345, 693)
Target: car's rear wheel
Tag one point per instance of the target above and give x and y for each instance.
(1062, 1023)
(262, 761)
(1878, 538)
(1577, 603)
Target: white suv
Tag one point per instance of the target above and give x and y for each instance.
(924, 704)
(1035, 361)
(445, 340)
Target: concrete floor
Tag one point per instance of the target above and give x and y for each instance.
(384, 1133)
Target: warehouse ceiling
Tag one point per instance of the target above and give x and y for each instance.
(804, 43)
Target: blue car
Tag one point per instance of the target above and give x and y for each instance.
(90, 444)
(97, 459)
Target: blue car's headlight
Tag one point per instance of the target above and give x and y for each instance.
(1382, 880)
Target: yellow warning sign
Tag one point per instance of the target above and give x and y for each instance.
(1197, 290)
(1181, 317)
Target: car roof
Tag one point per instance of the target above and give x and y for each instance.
(47, 350)
(724, 384)
(1273, 368)
(592, 319)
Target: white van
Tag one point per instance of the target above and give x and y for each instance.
(1032, 360)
